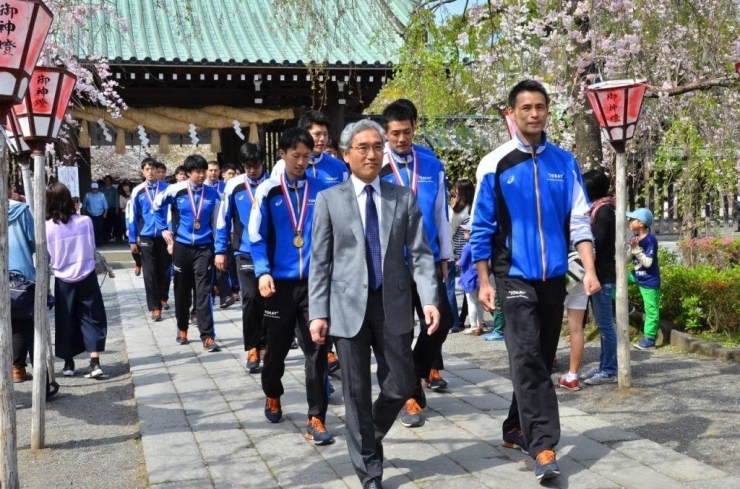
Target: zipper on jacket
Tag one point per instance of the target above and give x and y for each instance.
(539, 212)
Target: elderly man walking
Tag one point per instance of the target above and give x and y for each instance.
(368, 244)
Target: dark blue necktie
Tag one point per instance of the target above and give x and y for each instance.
(372, 242)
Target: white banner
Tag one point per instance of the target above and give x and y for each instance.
(68, 175)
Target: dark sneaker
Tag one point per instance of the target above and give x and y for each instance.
(53, 388)
(294, 345)
(456, 329)
(210, 345)
(69, 368)
(95, 371)
(253, 361)
(137, 271)
(571, 385)
(646, 344)
(601, 378)
(228, 302)
(514, 438)
(412, 416)
(165, 305)
(273, 411)
(157, 315)
(435, 381)
(421, 398)
(182, 337)
(316, 431)
(332, 362)
(545, 465)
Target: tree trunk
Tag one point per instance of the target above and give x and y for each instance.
(588, 147)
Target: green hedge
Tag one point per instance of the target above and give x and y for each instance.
(719, 253)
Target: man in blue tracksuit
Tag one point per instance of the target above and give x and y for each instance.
(424, 174)
(529, 206)
(151, 246)
(240, 198)
(324, 167)
(194, 210)
(280, 240)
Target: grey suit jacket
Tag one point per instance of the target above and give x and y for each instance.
(338, 278)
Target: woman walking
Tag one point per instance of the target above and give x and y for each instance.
(80, 320)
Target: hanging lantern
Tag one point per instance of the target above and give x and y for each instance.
(42, 110)
(15, 138)
(24, 25)
(737, 68)
(617, 106)
(510, 122)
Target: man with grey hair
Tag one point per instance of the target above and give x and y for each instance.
(367, 245)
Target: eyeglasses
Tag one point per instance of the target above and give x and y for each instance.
(319, 134)
(363, 150)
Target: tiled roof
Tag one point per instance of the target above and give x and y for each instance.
(239, 32)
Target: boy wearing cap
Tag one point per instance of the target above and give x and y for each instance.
(644, 251)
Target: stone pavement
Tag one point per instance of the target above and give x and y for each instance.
(202, 425)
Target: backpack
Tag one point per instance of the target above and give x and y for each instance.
(22, 296)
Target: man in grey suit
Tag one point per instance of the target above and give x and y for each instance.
(367, 245)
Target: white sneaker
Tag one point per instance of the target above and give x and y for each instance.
(95, 372)
(589, 374)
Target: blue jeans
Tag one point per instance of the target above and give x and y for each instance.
(451, 297)
(602, 303)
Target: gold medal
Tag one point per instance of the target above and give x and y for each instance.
(254, 205)
(196, 225)
(298, 241)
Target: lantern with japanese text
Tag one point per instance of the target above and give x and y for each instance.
(24, 25)
(15, 137)
(41, 113)
(510, 122)
(617, 106)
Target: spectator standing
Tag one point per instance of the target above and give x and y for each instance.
(124, 195)
(644, 251)
(470, 285)
(80, 319)
(461, 200)
(95, 206)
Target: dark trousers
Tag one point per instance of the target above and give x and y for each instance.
(534, 314)
(155, 262)
(193, 268)
(428, 348)
(253, 306)
(137, 259)
(286, 312)
(80, 320)
(368, 422)
(22, 341)
(97, 222)
(109, 224)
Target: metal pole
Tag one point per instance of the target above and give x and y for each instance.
(8, 447)
(27, 182)
(623, 327)
(41, 312)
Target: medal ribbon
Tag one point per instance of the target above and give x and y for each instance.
(196, 216)
(297, 226)
(149, 197)
(412, 174)
(248, 188)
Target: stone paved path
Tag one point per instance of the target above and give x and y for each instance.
(202, 425)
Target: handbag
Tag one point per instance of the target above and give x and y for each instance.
(575, 273)
(22, 296)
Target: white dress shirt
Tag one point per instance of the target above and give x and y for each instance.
(362, 197)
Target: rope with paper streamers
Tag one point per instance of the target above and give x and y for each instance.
(172, 121)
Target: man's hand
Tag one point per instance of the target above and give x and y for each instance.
(431, 318)
(134, 248)
(590, 283)
(487, 296)
(266, 286)
(167, 235)
(319, 328)
(220, 262)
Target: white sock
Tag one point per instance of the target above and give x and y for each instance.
(571, 376)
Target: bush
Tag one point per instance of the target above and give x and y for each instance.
(699, 297)
(716, 252)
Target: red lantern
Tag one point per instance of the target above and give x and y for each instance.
(737, 68)
(42, 110)
(510, 122)
(24, 25)
(15, 137)
(617, 106)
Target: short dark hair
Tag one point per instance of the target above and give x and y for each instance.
(149, 161)
(408, 103)
(59, 204)
(597, 184)
(194, 162)
(314, 117)
(251, 154)
(331, 143)
(180, 169)
(465, 194)
(397, 112)
(160, 166)
(294, 136)
(527, 86)
(228, 166)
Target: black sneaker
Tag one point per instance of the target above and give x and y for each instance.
(69, 368)
(332, 362)
(514, 438)
(273, 410)
(228, 302)
(182, 337)
(316, 431)
(412, 415)
(545, 465)
(435, 381)
(210, 345)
